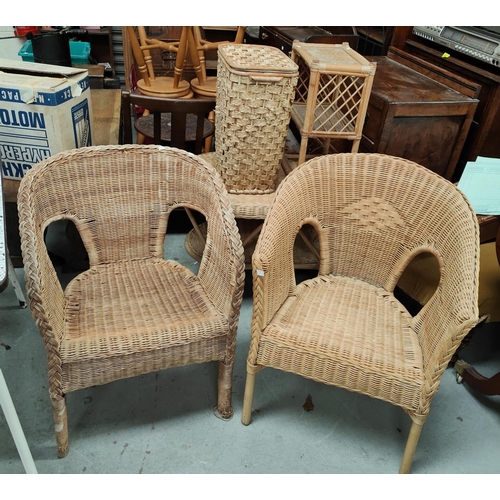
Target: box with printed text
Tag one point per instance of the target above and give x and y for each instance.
(44, 109)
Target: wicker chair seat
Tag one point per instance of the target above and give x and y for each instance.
(101, 323)
(348, 333)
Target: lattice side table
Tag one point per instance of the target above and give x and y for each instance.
(332, 93)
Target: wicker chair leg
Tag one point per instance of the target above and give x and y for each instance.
(224, 407)
(246, 416)
(411, 446)
(61, 425)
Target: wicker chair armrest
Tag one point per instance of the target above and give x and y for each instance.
(441, 329)
(222, 268)
(45, 294)
(222, 274)
(273, 279)
(453, 310)
(436, 364)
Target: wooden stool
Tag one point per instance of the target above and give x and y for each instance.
(206, 85)
(150, 84)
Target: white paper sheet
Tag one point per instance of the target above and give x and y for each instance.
(480, 182)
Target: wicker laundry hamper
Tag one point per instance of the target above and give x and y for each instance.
(255, 90)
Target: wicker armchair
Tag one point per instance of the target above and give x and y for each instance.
(373, 214)
(132, 312)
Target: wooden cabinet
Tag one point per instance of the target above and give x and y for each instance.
(413, 116)
(482, 139)
(374, 40)
(282, 37)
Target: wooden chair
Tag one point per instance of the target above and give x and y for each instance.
(184, 120)
(150, 84)
(132, 312)
(373, 214)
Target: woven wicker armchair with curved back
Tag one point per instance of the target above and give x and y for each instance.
(372, 214)
(133, 312)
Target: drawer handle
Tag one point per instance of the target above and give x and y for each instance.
(264, 36)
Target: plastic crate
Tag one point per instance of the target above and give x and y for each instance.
(80, 52)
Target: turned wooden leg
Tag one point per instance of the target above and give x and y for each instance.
(195, 57)
(180, 59)
(60, 425)
(224, 407)
(411, 446)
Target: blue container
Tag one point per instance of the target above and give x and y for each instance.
(80, 52)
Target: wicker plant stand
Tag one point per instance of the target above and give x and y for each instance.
(332, 94)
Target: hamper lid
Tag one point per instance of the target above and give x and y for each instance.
(256, 58)
(333, 57)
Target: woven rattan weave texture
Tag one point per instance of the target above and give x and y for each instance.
(373, 214)
(333, 91)
(132, 312)
(255, 89)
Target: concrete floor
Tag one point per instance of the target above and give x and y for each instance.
(163, 422)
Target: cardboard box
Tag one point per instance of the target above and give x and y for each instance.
(44, 109)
